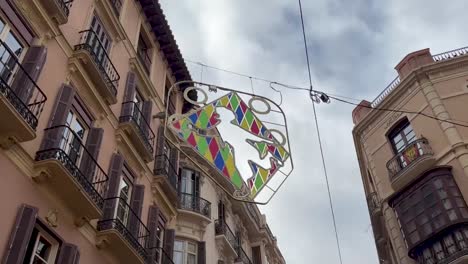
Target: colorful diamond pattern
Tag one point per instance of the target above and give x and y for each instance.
(221, 155)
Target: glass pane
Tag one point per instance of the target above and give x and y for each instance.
(13, 43)
(43, 248)
(191, 247)
(179, 245)
(191, 259)
(178, 258)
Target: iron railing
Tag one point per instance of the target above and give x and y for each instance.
(448, 55)
(373, 202)
(165, 167)
(443, 249)
(410, 155)
(17, 86)
(117, 6)
(386, 92)
(65, 5)
(129, 225)
(145, 60)
(221, 228)
(242, 256)
(195, 204)
(91, 43)
(144, 129)
(81, 164)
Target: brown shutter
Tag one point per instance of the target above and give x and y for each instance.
(136, 204)
(153, 216)
(59, 114)
(33, 63)
(93, 144)
(169, 237)
(256, 255)
(201, 252)
(115, 172)
(130, 89)
(160, 160)
(146, 112)
(68, 254)
(20, 235)
(174, 159)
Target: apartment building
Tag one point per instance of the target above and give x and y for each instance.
(87, 175)
(413, 158)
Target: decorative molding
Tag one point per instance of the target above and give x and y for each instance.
(52, 218)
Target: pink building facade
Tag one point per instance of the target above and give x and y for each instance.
(87, 176)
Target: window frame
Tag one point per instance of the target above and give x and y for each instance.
(185, 250)
(195, 181)
(127, 177)
(398, 130)
(9, 29)
(41, 232)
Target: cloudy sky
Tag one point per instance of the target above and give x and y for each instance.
(354, 46)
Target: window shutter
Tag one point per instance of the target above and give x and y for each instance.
(153, 216)
(256, 255)
(59, 114)
(160, 160)
(169, 237)
(201, 253)
(68, 254)
(146, 111)
(93, 144)
(115, 172)
(197, 183)
(33, 62)
(174, 168)
(136, 204)
(20, 235)
(130, 89)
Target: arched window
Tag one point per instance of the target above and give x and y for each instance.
(401, 135)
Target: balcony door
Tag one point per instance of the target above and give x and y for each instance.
(125, 195)
(11, 51)
(99, 41)
(190, 182)
(401, 137)
(74, 134)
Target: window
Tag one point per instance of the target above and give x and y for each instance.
(429, 206)
(125, 194)
(7, 63)
(144, 52)
(402, 136)
(160, 237)
(100, 41)
(221, 212)
(73, 137)
(42, 248)
(185, 252)
(190, 182)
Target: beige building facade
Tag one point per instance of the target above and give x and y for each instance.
(87, 175)
(414, 164)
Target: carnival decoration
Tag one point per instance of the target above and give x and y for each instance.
(198, 129)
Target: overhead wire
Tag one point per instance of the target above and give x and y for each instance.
(312, 96)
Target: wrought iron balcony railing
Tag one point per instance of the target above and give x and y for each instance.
(242, 256)
(165, 167)
(65, 5)
(445, 248)
(195, 204)
(408, 156)
(144, 129)
(221, 228)
(17, 86)
(373, 202)
(128, 224)
(117, 6)
(91, 43)
(82, 166)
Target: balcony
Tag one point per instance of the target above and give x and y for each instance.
(72, 173)
(124, 234)
(93, 55)
(225, 239)
(138, 128)
(448, 247)
(21, 100)
(58, 9)
(373, 202)
(194, 208)
(166, 173)
(407, 165)
(242, 257)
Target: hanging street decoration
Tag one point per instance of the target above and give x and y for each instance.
(199, 129)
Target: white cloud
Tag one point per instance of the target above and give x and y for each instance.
(354, 46)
